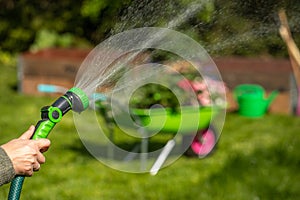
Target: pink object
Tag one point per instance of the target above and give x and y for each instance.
(206, 90)
(204, 142)
(199, 86)
(185, 84)
(204, 98)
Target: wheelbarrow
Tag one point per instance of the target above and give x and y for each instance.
(192, 123)
(184, 122)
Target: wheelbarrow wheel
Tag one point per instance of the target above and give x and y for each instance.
(203, 143)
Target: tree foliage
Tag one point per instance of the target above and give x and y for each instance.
(247, 27)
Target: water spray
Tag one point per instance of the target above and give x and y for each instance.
(74, 99)
(110, 70)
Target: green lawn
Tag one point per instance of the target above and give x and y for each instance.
(255, 159)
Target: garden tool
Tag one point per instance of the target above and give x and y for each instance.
(74, 99)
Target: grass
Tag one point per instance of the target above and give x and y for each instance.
(255, 159)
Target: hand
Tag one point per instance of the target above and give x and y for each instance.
(25, 154)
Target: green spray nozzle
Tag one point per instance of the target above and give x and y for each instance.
(74, 99)
(80, 101)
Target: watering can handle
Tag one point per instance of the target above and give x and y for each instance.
(271, 97)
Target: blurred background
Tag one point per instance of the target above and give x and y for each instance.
(223, 28)
(256, 157)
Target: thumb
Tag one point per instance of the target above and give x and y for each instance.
(28, 133)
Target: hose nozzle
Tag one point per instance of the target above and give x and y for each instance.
(74, 99)
(79, 99)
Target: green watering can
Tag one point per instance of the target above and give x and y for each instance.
(251, 99)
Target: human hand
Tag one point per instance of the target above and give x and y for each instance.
(25, 154)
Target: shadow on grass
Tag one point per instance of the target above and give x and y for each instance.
(107, 151)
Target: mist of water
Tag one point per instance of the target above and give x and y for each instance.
(104, 69)
(118, 66)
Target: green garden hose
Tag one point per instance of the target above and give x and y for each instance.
(74, 99)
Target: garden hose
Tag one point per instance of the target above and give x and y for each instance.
(74, 99)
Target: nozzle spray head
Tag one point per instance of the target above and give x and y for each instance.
(74, 99)
(80, 100)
